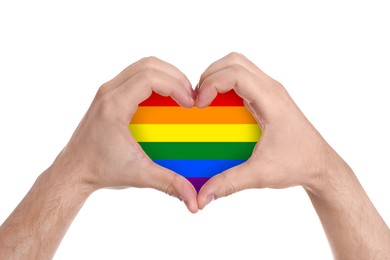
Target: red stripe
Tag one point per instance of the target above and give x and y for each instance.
(229, 98)
(158, 101)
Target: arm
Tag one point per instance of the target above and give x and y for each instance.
(101, 153)
(36, 227)
(354, 228)
(291, 152)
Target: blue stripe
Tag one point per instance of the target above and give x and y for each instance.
(198, 168)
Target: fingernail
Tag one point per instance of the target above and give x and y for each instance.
(193, 95)
(198, 98)
(209, 199)
(196, 93)
(190, 98)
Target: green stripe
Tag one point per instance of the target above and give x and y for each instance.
(198, 150)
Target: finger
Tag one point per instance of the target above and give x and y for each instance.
(164, 180)
(145, 63)
(140, 87)
(255, 91)
(233, 180)
(231, 60)
(255, 114)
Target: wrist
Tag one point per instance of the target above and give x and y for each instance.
(334, 176)
(66, 172)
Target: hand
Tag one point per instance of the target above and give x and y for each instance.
(290, 151)
(102, 153)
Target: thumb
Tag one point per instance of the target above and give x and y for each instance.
(233, 180)
(171, 183)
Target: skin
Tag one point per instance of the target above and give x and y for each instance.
(103, 154)
(291, 152)
(100, 154)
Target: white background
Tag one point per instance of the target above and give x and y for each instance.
(332, 56)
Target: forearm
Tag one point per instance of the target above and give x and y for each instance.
(37, 226)
(354, 228)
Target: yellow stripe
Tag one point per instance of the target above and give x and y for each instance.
(195, 132)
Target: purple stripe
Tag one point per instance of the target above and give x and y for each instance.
(198, 182)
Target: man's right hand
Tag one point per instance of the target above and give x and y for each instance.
(102, 153)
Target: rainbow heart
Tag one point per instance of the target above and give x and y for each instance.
(196, 143)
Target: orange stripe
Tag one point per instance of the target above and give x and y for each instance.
(179, 115)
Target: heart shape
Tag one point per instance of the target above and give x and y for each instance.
(196, 143)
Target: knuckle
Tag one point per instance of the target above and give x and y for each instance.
(150, 61)
(106, 106)
(235, 56)
(170, 188)
(207, 82)
(203, 76)
(229, 187)
(278, 87)
(237, 69)
(148, 74)
(102, 90)
(274, 82)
